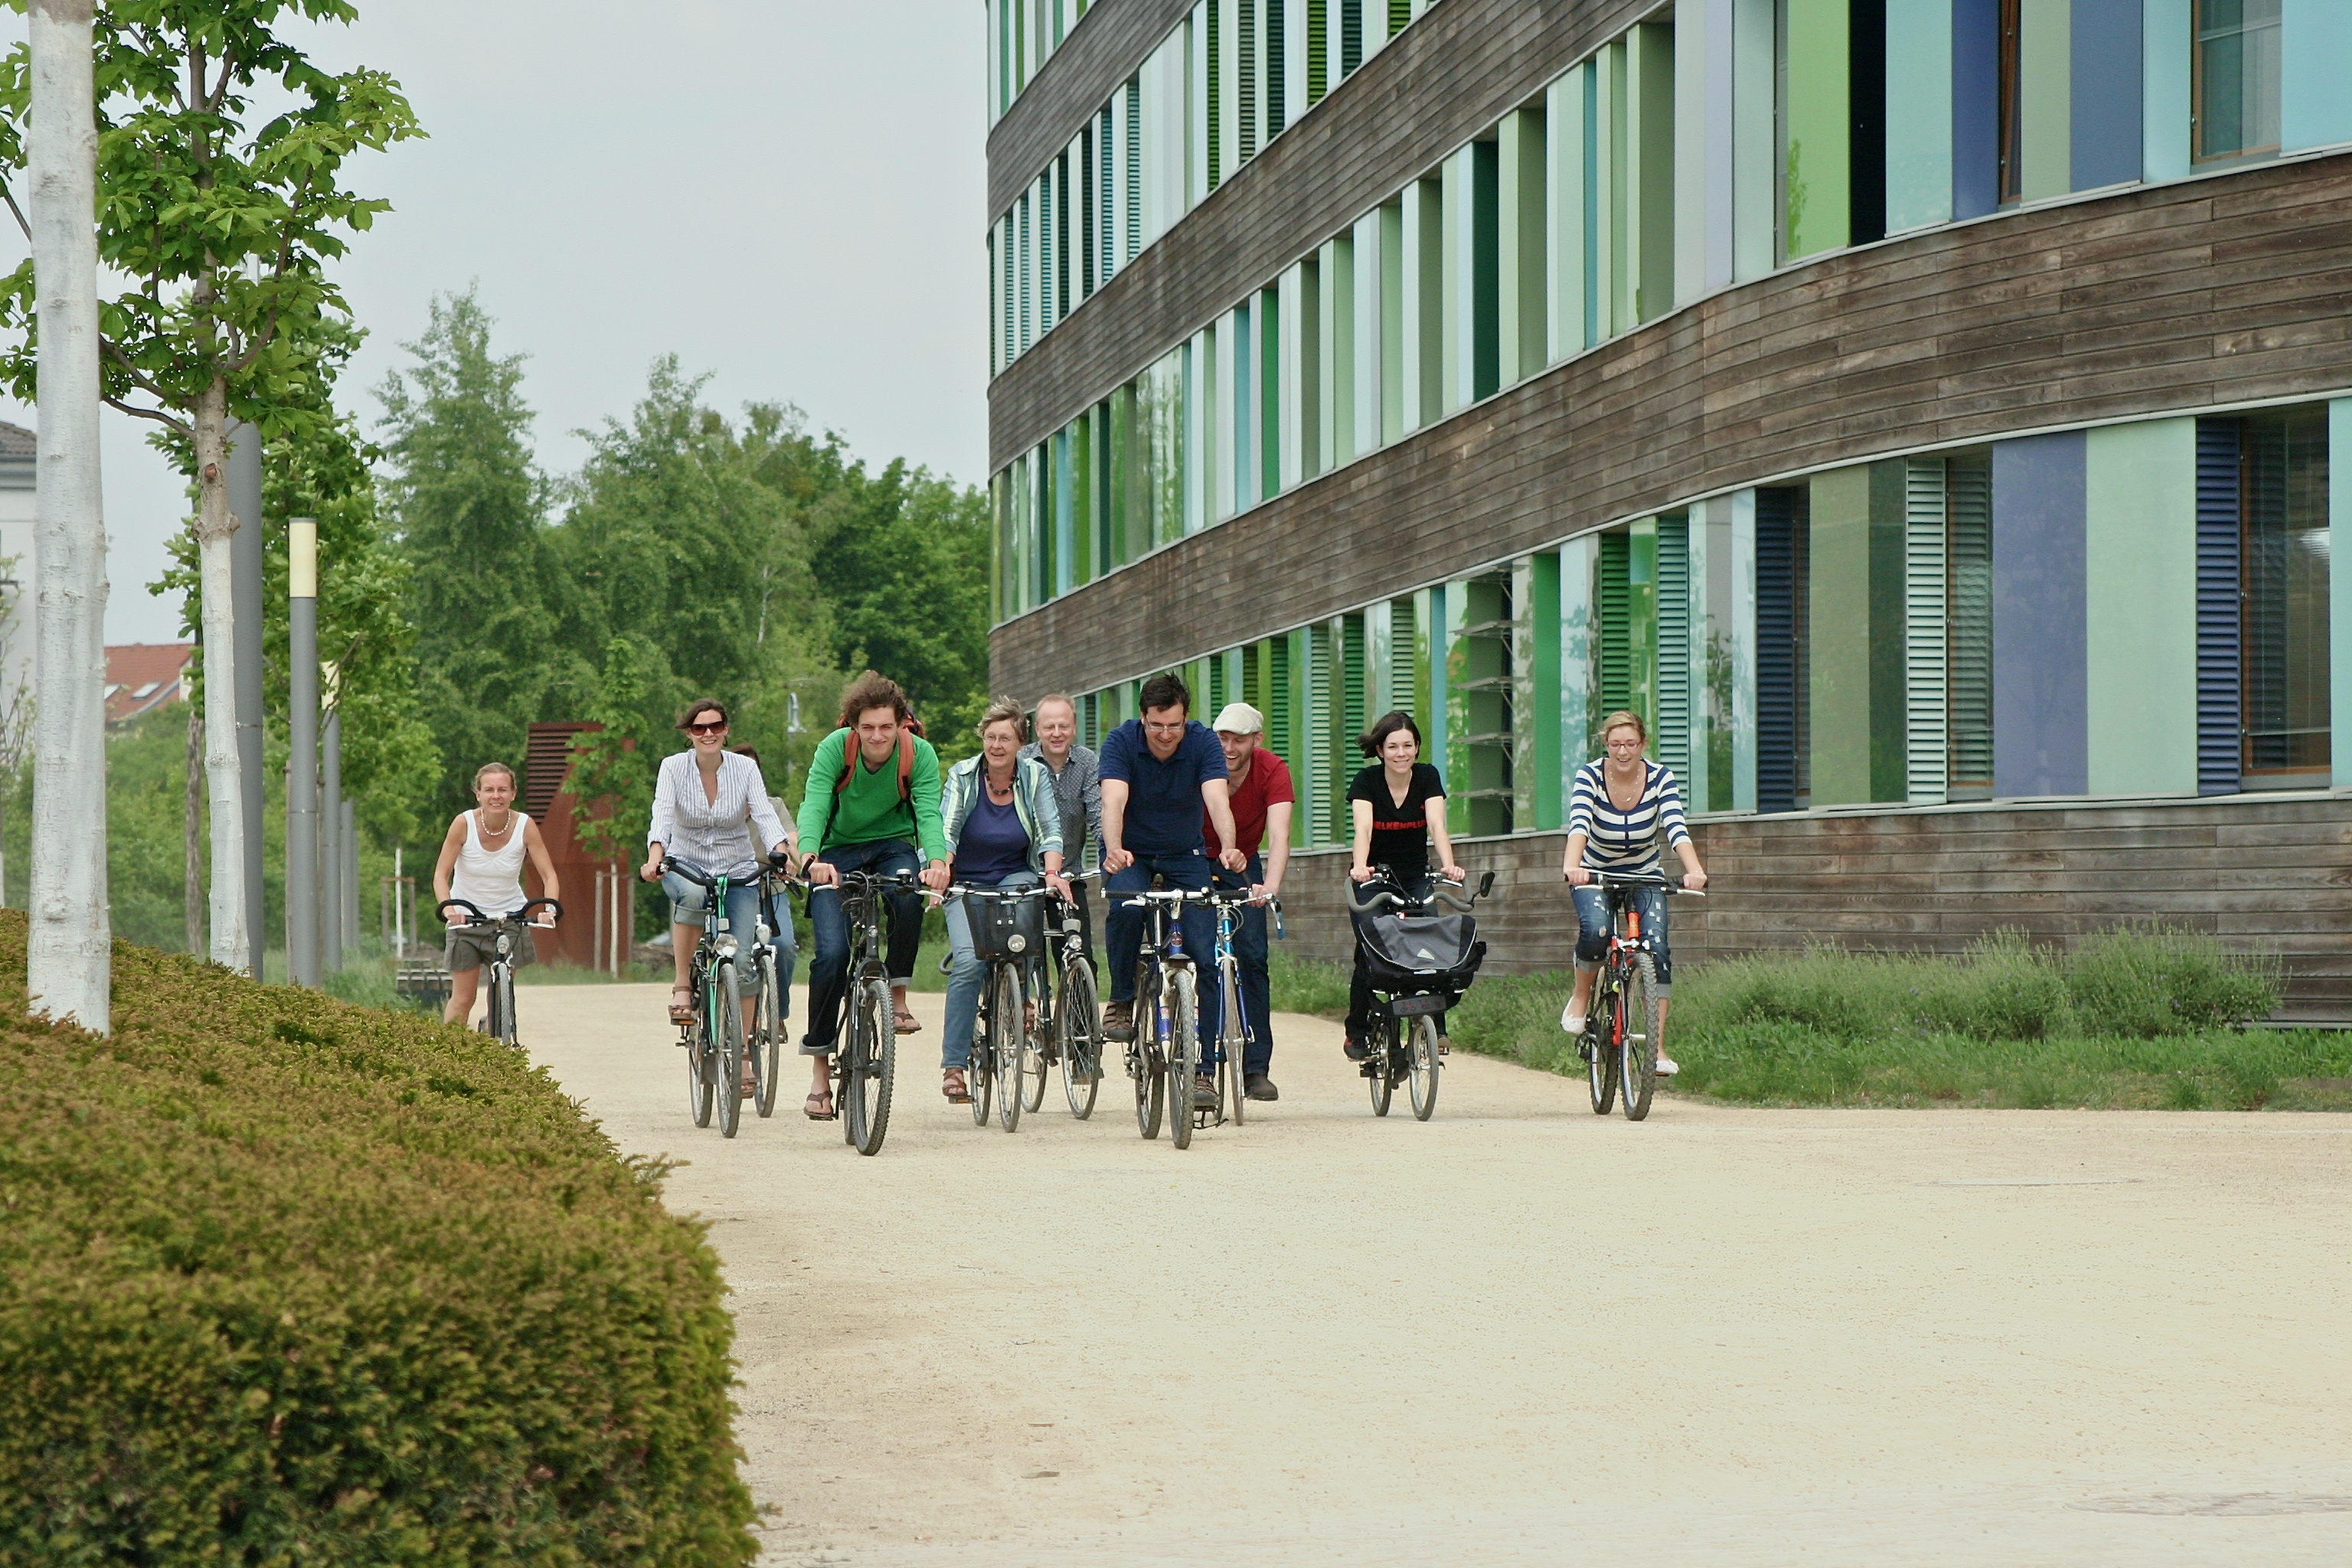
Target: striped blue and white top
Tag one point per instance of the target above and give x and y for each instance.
(1618, 840)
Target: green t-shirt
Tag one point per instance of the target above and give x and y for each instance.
(868, 808)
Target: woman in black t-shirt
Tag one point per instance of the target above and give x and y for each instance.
(1399, 804)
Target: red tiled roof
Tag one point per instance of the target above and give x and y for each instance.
(142, 677)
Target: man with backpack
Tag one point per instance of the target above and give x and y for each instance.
(873, 798)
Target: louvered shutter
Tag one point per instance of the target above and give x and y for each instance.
(1318, 49)
(1353, 722)
(1315, 742)
(1404, 659)
(1775, 651)
(1968, 665)
(1673, 646)
(2219, 719)
(1924, 634)
(1352, 36)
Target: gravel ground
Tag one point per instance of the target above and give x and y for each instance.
(1518, 1334)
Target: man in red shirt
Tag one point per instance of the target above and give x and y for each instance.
(1261, 792)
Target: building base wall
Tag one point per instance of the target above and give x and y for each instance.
(2263, 875)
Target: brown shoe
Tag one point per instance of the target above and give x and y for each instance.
(1118, 1021)
(953, 1085)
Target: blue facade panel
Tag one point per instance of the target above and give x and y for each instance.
(1976, 107)
(2040, 733)
(2105, 70)
(2315, 48)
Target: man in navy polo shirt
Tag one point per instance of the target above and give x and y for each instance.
(1159, 774)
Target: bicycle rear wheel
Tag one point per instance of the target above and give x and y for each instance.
(1143, 1060)
(1008, 1042)
(698, 1080)
(1637, 1007)
(502, 1005)
(1377, 1062)
(1078, 1023)
(1035, 1040)
(1600, 1048)
(873, 1061)
(980, 1068)
(767, 1033)
(1421, 1066)
(1184, 1055)
(727, 1024)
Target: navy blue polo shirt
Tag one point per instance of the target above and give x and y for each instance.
(1163, 799)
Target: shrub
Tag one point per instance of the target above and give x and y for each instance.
(287, 1280)
(2143, 983)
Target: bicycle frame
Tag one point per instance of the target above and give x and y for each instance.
(508, 927)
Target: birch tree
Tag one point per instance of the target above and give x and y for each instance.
(69, 968)
(223, 215)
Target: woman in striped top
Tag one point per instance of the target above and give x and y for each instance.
(1623, 804)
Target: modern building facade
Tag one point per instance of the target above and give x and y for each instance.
(1933, 415)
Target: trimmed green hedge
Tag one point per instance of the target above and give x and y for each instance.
(284, 1280)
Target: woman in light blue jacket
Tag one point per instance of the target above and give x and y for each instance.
(1003, 830)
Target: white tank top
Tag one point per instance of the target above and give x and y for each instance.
(490, 879)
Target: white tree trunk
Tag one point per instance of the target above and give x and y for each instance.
(231, 944)
(69, 967)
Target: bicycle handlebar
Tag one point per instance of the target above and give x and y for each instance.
(1641, 879)
(529, 904)
(1384, 893)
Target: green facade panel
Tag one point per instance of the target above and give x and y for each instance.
(1816, 121)
(2139, 574)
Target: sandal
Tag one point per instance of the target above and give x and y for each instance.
(818, 1107)
(681, 1005)
(905, 1022)
(953, 1084)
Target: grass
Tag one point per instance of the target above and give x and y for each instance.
(2134, 1018)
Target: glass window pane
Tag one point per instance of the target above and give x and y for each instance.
(2237, 77)
(2285, 565)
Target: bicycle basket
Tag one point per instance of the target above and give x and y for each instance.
(1421, 953)
(1006, 927)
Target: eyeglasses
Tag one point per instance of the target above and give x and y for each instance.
(1625, 745)
(717, 729)
(1175, 729)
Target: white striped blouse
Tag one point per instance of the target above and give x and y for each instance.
(1618, 840)
(711, 833)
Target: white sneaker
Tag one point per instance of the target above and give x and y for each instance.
(1666, 1066)
(1572, 1021)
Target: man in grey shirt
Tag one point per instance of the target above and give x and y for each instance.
(1077, 788)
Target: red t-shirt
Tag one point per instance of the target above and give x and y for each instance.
(1269, 785)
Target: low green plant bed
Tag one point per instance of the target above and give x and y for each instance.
(2130, 1018)
(286, 1281)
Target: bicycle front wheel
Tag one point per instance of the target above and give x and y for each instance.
(866, 1076)
(1184, 1055)
(979, 1069)
(1421, 1066)
(1078, 1026)
(503, 1007)
(1377, 1073)
(1600, 1049)
(1009, 1040)
(1036, 1042)
(1144, 1061)
(1637, 1008)
(726, 1025)
(767, 1036)
(1232, 1030)
(698, 1078)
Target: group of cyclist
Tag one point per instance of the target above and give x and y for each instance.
(1193, 805)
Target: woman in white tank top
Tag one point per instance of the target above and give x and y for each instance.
(481, 862)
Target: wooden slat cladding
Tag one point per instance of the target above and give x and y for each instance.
(1454, 72)
(1103, 50)
(2264, 877)
(2167, 299)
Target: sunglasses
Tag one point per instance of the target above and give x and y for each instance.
(717, 729)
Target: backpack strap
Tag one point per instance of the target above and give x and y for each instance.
(849, 767)
(906, 766)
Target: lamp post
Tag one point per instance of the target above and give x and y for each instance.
(245, 552)
(331, 827)
(302, 743)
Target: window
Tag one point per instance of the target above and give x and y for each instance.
(2283, 588)
(2234, 77)
(1967, 627)
(2010, 131)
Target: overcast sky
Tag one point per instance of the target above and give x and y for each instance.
(787, 193)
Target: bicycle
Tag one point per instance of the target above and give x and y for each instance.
(766, 1031)
(498, 1019)
(1421, 991)
(1624, 1067)
(865, 1054)
(1166, 1053)
(1008, 933)
(1069, 1016)
(713, 1038)
(1234, 1034)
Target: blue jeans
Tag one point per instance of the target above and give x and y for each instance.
(687, 903)
(829, 968)
(1592, 928)
(1123, 927)
(966, 973)
(1257, 987)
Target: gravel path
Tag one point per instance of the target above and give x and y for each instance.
(1518, 1333)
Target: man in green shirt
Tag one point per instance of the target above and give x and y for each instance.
(873, 796)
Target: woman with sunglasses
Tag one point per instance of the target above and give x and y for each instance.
(702, 798)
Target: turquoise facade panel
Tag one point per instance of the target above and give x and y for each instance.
(2164, 89)
(2139, 591)
(1919, 114)
(2315, 59)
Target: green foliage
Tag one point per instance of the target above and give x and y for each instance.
(220, 228)
(286, 1281)
(2133, 1016)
